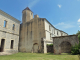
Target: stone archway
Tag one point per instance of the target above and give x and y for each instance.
(2, 45)
(35, 48)
(65, 47)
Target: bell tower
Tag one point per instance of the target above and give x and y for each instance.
(27, 15)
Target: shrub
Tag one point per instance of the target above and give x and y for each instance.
(79, 37)
(49, 44)
(75, 49)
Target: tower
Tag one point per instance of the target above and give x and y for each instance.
(27, 15)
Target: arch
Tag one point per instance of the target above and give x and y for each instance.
(35, 47)
(2, 45)
(65, 47)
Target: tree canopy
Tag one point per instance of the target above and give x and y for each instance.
(78, 33)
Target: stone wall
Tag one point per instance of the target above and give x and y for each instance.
(63, 44)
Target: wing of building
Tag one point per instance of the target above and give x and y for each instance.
(9, 33)
(34, 30)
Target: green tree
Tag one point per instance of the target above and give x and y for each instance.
(78, 33)
(75, 49)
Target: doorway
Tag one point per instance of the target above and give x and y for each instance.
(35, 48)
(2, 45)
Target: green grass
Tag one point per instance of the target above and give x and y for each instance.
(39, 56)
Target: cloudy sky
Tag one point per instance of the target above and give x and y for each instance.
(63, 14)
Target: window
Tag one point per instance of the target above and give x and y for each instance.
(61, 34)
(54, 31)
(31, 13)
(50, 37)
(49, 28)
(5, 23)
(57, 32)
(13, 27)
(12, 43)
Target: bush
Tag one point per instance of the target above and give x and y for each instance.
(49, 44)
(75, 49)
(79, 37)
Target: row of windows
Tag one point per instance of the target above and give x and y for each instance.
(54, 31)
(5, 25)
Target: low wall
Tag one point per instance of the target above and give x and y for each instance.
(62, 44)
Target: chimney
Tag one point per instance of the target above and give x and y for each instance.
(36, 16)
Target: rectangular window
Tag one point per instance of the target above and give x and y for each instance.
(57, 32)
(49, 28)
(61, 34)
(5, 23)
(12, 43)
(13, 27)
(50, 37)
(54, 31)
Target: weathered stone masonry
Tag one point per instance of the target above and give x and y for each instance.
(9, 35)
(63, 44)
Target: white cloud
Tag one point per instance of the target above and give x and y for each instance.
(78, 20)
(79, 26)
(63, 25)
(32, 3)
(59, 6)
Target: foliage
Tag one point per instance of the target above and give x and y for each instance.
(79, 37)
(75, 49)
(49, 44)
(78, 33)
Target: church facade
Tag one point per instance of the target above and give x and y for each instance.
(35, 30)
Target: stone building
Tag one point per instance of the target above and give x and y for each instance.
(34, 30)
(9, 33)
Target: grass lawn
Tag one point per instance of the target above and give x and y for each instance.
(39, 56)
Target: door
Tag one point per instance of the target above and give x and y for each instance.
(2, 45)
(35, 48)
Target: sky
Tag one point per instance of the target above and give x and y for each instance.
(62, 14)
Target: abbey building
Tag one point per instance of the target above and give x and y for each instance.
(34, 30)
(31, 35)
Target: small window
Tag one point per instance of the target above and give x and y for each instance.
(61, 34)
(50, 37)
(13, 27)
(5, 23)
(57, 32)
(54, 31)
(31, 13)
(12, 43)
(49, 28)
